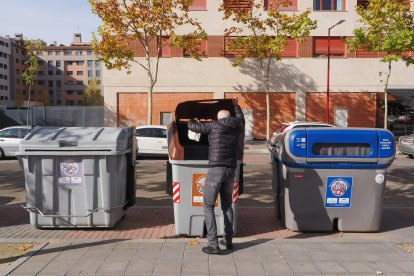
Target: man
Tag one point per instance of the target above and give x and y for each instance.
(223, 139)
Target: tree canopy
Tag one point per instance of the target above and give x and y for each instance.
(388, 28)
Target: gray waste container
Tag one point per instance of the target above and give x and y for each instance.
(188, 164)
(327, 178)
(78, 177)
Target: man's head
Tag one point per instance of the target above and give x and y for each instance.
(223, 114)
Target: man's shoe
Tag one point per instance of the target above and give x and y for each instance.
(211, 249)
(227, 244)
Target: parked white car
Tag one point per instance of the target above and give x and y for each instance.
(152, 140)
(10, 138)
(287, 126)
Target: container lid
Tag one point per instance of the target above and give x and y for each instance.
(203, 109)
(94, 140)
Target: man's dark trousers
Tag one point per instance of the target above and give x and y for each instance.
(220, 180)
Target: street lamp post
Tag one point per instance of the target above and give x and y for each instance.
(329, 66)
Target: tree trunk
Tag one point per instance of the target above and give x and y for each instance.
(28, 105)
(386, 96)
(150, 89)
(267, 114)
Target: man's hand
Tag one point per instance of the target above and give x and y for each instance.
(235, 101)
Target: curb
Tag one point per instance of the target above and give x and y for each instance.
(24, 258)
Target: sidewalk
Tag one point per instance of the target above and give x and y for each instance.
(144, 243)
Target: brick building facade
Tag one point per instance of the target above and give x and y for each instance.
(298, 81)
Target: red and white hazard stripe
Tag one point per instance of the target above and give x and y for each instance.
(176, 192)
(235, 192)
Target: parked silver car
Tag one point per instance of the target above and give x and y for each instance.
(10, 138)
(406, 145)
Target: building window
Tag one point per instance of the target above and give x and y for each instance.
(98, 73)
(69, 92)
(68, 52)
(50, 63)
(5, 66)
(79, 53)
(202, 49)
(90, 63)
(49, 53)
(69, 73)
(17, 60)
(328, 5)
(50, 73)
(58, 72)
(50, 83)
(69, 62)
(57, 53)
(79, 82)
(17, 51)
(5, 77)
(198, 5)
(69, 83)
(292, 5)
(165, 50)
(165, 118)
(58, 83)
(41, 82)
(320, 46)
(97, 63)
(89, 73)
(41, 62)
(79, 62)
(79, 73)
(89, 53)
(231, 53)
(58, 64)
(291, 49)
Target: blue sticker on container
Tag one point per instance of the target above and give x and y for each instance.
(338, 192)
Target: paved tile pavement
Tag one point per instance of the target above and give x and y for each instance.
(250, 257)
(144, 243)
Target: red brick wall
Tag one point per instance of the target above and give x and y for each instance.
(282, 109)
(361, 107)
(133, 107)
(305, 49)
(215, 46)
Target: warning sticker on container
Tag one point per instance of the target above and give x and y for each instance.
(338, 192)
(69, 172)
(197, 190)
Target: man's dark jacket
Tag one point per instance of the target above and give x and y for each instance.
(223, 138)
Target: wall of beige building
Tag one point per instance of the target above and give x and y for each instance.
(290, 75)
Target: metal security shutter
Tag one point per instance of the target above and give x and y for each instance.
(293, 5)
(320, 46)
(198, 5)
(291, 49)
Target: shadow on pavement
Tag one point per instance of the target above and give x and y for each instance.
(238, 246)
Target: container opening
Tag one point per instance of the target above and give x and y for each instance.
(195, 145)
(341, 149)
